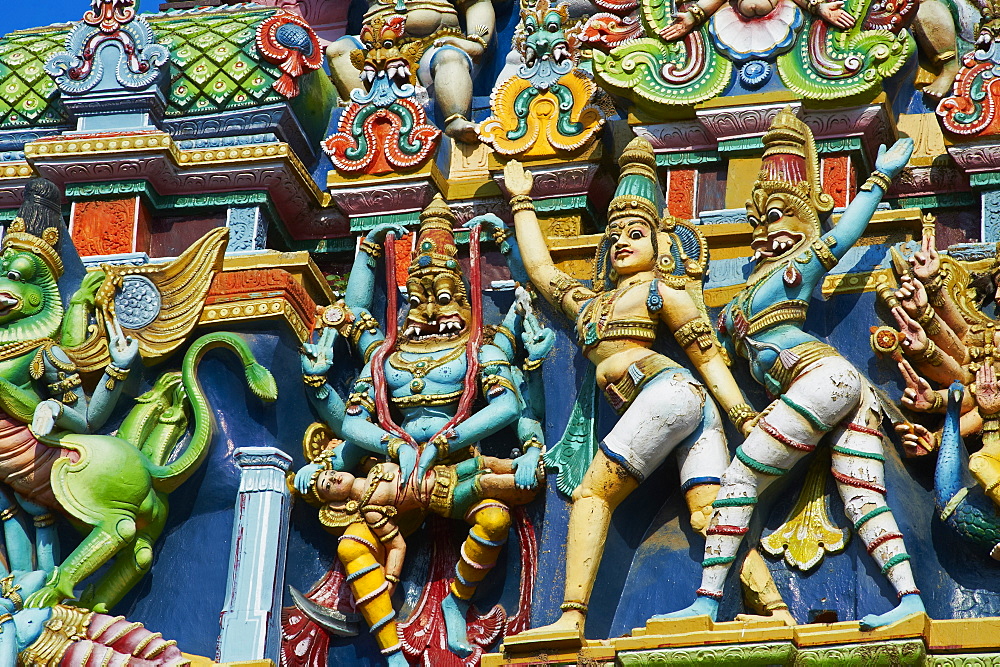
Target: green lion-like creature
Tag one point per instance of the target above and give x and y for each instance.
(113, 487)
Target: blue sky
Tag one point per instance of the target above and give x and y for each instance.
(17, 15)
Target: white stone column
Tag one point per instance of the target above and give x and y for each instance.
(251, 618)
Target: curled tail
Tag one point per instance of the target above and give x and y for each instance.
(168, 477)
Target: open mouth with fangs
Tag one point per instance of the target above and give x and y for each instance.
(776, 244)
(446, 326)
(7, 302)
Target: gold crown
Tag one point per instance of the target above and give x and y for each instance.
(19, 239)
(637, 184)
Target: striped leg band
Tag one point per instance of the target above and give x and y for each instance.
(806, 413)
(718, 560)
(784, 439)
(726, 530)
(705, 593)
(471, 563)
(894, 561)
(871, 515)
(382, 622)
(374, 594)
(734, 502)
(882, 539)
(861, 455)
(858, 483)
(756, 465)
(360, 540)
(485, 542)
(912, 591)
(362, 572)
(864, 429)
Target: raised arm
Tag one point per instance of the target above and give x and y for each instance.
(859, 213)
(361, 283)
(560, 289)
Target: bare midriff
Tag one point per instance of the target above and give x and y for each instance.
(423, 17)
(613, 357)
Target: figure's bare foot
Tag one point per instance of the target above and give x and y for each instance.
(782, 615)
(571, 622)
(461, 129)
(941, 86)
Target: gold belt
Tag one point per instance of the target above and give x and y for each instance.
(780, 314)
(424, 400)
(620, 394)
(807, 353)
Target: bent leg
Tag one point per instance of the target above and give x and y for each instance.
(490, 525)
(361, 553)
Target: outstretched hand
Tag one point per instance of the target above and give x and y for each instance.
(517, 179)
(916, 339)
(918, 394)
(89, 287)
(926, 262)
(317, 358)
(892, 161)
(987, 391)
(489, 222)
(538, 340)
(681, 26)
(834, 14)
(912, 294)
(378, 232)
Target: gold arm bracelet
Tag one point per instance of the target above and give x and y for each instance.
(391, 578)
(388, 536)
(697, 13)
(44, 520)
(392, 447)
(925, 315)
(315, 381)
(115, 372)
(695, 330)
(8, 514)
(508, 334)
(533, 441)
(532, 364)
(929, 355)
(937, 402)
(478, 39)
(740, 414)
(879, 178)
(372, 249)
(520, 203)
(454, 116)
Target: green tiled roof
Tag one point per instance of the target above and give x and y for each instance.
(214, 66)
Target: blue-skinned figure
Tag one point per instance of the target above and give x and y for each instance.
(820, 394)
(425, 374)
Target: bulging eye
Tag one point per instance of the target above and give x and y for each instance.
(752, 219)
(368, 45)
(414, 302)
(444, 298)
(529, 28)
(635, 234)
(14, 275)
(553, 27)
(774, 215)
(387, 44)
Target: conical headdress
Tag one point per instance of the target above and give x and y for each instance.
(436, 250)
(638, 192)
(791, 165)
(36, 227)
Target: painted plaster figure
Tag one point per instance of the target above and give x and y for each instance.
(696, 13)
(644, 274)
(372, 547)
(429, 370)
(116, 487)
(444, 53)
(819, 391)
(945, 336)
